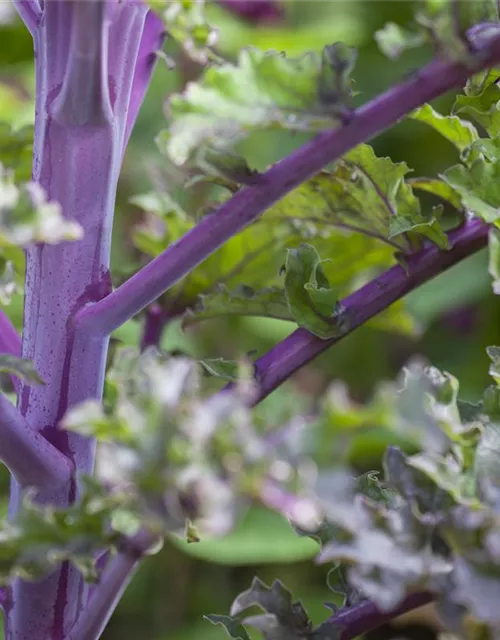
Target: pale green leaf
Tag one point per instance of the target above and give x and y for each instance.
(306, 93)
(459, 132)
(478, 186)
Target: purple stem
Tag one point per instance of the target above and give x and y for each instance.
(255, 10)
(365, 616)
(154, 324)
(112, 583)
(301, 346)
(106, 315)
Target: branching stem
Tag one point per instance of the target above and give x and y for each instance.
(112, 584)
(301, 346)
(103, 317)
(30, 13)
(32, 460)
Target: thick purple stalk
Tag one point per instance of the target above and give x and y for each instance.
(247, 205)
(301, 346)
(87, 76)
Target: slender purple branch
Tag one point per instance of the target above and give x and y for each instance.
(301, 346)
(365, 616)
(154, 324)
(30, 13)
(32, 460)
(113, 582)
(248, 204)
(152, 40)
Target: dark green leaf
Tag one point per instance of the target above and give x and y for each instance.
(232, 625)
(439, 188)
(220, 368)
(483, 107)
(312, 301)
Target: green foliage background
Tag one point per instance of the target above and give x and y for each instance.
(457, 313)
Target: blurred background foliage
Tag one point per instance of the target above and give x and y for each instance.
(457, 314)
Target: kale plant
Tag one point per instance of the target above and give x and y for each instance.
(330, 237)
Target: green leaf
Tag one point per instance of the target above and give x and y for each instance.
(345, 213)
(430, 228)
(23, 369)
(242, 301)
(478, 186)
(276, 601)
(305, 93)
(378, 190)
(312, 301)
(459, 132)
(438, 188)
(38, 538)
(186, 23)
(483, 107)
(393, 40)
(225, 164)
(232, 625)
(337, 64)
(220, 368)
(494, 356)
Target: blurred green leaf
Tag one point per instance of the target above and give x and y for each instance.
(279, 92)
(24, 369)
(393, 40)
(261, 537)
